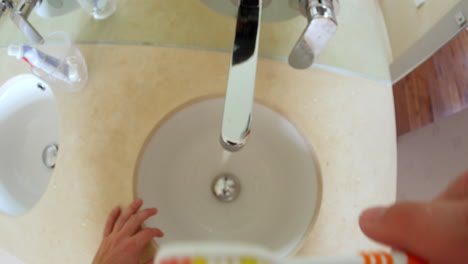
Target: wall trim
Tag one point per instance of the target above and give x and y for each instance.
(439, 35)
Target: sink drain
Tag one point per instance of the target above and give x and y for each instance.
(226, 187)
(49, 155)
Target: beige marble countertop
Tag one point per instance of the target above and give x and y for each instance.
(348, 120)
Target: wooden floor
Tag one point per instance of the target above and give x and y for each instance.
(434, 90)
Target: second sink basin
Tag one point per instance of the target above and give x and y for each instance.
(267, 194)
(28, 136)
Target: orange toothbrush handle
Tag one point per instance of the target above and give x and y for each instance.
(382, 257)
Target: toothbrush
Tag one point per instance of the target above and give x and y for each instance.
(231, 253)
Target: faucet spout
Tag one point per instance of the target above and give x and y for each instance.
(20, 18)
(241, 82)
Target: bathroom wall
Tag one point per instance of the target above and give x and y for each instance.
(431, 157)
(406, 24)
(359, 45)
(415, 34)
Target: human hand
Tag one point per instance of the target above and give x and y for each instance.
(123, 238)
(436, 231)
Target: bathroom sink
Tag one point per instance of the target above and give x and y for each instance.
(29, 133)
(267, 194)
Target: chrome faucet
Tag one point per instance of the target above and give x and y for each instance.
(241, 81)
(20, 15)
(238, 106)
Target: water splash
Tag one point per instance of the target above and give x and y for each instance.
(225, 156)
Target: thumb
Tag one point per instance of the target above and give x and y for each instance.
(431, 231)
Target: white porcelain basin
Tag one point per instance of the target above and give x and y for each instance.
(28, 124)
(277, 173)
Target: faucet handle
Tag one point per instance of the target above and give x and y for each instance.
(29, 31)
(25, 7)
(321, 27)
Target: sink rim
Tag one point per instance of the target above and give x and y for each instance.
(312, 153)
(50, 97)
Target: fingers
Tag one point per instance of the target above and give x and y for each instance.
(111, 219)
(143, 237)
(458, 190)
(395, 225)
(151, 261)
(135, 221)
(132, 208)
(428, 230)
